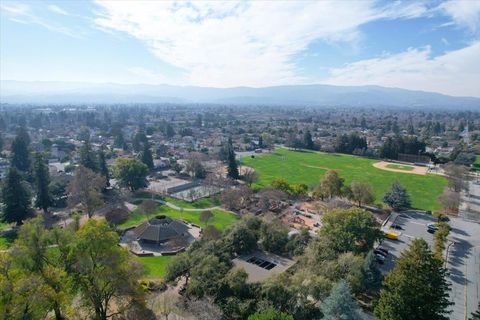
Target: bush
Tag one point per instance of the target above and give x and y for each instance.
(117, 216)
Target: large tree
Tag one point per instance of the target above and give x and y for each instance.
(146, 156)
(416, 288)
(232, 167)
(340, 304)
(85, 189)
(103, 167)
(362, 192)
(41, 174)
(34, 255)
(398, 197)
(331, 184)
(104, 273)
(307, 140)
(16, 198)
(87, 156)
(350, 229)
(131, 173)
(20, 154)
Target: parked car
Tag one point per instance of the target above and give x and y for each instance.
(392, 235)
(379, 258)
(396, 226)
(432, 227)
(380, 252)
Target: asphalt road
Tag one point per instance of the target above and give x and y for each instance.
(464, 267)
(463, 260)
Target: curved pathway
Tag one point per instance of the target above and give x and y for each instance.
(174, 206)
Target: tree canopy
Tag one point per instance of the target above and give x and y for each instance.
(416, 288)
(131, 173)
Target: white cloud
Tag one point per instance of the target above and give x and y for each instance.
(242, 43)
(455, 73)
(463, 13)
(23, 13)
(57, 9)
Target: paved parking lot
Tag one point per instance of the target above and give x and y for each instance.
(463, 260)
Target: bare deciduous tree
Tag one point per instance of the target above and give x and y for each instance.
(85, 189)
(450, 200)
(249, 176)
(457, 177)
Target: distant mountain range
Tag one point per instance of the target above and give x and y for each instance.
(293, 95)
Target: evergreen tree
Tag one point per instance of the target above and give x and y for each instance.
(87, 156)
(146, 156)
(340, 304)
(15, 197)
(20, 153)
(43, 198)
(103, 167)
(372, 277)
(260, 141)
(231, 161)
(398, 197)
(416, 288)
(307, 140)
(476, 314)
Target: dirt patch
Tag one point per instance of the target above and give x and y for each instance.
(314, 167)
(383, 165)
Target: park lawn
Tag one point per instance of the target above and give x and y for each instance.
(308, 166)
(399, 167)
(221, 219)
(155, 267)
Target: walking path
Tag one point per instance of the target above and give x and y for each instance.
(174, 206)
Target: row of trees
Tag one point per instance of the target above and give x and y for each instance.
(85, 189)
(332, 185)
(400, 144)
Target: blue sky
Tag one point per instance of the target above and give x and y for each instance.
(423, 45)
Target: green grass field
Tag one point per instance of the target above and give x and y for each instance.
(155, 267)
(307, 167)
(399, 167)
(221, 219)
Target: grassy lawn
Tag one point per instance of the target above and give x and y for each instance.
(307, 167)
(155, 267)
(399, 167)
(221, 219)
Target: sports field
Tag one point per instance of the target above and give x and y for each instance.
(400, 167)
(307, 167)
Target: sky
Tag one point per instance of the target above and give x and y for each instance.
(419, 45)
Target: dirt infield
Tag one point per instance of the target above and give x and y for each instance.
(416, 169)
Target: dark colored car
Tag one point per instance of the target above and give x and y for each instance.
(385, 251)
(396, 226)
(380, 252)
(379, 258)
(432, 227)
